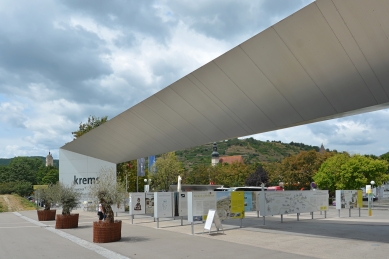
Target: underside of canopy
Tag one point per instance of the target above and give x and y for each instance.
(328, 60)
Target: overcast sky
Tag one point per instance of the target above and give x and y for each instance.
(61, 61)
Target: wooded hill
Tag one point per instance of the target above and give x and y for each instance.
(250, 149)
(6, 161)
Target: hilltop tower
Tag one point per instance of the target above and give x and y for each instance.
(49, 160)
(322, 149)
(215, 155)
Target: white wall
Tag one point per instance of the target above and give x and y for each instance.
(80, 169)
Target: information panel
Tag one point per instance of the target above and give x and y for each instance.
(250, 201)
(163, 205)
(348, 199)
(137, 203)
(237, 205)
(199, 203)
(149, 203)
(289, 202)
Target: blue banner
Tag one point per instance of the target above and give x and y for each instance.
(141, 166)
(151, 163)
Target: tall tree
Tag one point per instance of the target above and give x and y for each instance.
(258, 177)
(129, 170)
(168, 170)
(199, 175)
(93, 122)
(297, 171)
(47, 174)
(230, 175)
(342, 172)
(24, 169)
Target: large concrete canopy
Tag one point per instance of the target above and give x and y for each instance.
(328, 60)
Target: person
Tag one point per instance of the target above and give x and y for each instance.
(100, 212)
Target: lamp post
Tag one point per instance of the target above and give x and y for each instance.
(372, 193)
(147, 184)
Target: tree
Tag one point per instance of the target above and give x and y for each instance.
(230, 175)
(129, 169)
(168, 170)
(47, 175)
(108, 191)
(258, 177)
(24, 169)
(297, 171)
(199, 175)
(342, 172)
(93, 122)
(67, 197)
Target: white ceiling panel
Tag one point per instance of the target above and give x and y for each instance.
(252, 82)
(213, 78)
(311, 40)
(346, 39)
(170, 115)
(207, 107)
(328, 60)
(368, 23)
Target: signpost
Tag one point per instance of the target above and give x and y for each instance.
(213, 218)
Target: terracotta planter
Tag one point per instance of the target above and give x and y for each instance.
(66, 221)
(104, 232)
(46, 215)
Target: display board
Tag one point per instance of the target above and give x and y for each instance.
(199, 203)
(237, 205)
(182, 204)
(289, 202)
(137, 203)
(257, 200)
(250, 201)
(163, 204)
(149, 203)
(348, 199)
(230, 204)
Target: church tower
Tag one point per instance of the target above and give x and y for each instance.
(215, 155)
(49, 160)
(322, 149)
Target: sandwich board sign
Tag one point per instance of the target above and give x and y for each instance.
(213, 218)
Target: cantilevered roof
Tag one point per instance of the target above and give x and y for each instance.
(328, 60)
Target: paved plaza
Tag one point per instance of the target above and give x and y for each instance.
(23, 236)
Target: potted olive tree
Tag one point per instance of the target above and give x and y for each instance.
(107, 191)
(69, 198)
(46, 196)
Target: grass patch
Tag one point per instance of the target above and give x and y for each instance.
(3, 208)
(27, 205)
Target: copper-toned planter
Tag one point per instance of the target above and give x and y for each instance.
(66, 221)
(104, 232)
(46, 215)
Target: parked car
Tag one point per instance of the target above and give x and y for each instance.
(365, 198)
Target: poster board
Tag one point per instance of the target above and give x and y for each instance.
(199, 203)
(212, 217)
(163, 204)
(290, 202)
(348, 199)
(149, 206)
(250, 201)
(137, 203)
(237, 205)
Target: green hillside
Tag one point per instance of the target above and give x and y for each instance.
(6, 161)
(251, 149)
